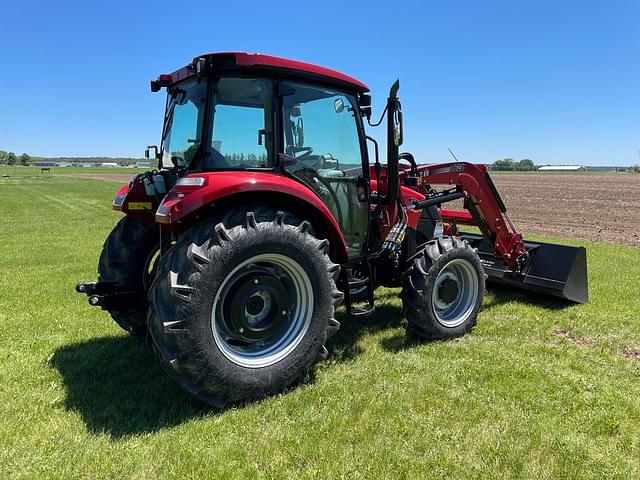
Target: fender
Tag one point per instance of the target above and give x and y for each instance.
(132, 200)
(194, 191)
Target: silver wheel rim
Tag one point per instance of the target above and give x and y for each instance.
(275, 307)
(459, 276)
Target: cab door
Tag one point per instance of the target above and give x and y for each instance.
(323, 147)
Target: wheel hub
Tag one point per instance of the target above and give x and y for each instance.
(448, 290)
(262, 309)
(455, 291)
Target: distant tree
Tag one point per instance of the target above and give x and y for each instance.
(25, 160)
(524, 165)
(11, 158)
(3, 157)
(636, 168)
(504, 164)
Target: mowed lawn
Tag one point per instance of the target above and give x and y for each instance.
(539, 389)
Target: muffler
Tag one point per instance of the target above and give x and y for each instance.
(556, 270)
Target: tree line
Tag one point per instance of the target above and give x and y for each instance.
(10, 158)
(509, 164)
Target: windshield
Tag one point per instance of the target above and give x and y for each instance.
(235, 132)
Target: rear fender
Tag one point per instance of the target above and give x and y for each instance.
(133, 201)
(193, 192)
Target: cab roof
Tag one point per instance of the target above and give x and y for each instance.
(267, 65)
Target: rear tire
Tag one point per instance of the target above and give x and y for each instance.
(125, 259)
(242, 310)
(443, 290)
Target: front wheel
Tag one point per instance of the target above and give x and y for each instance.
(240, 311)
(443, 290)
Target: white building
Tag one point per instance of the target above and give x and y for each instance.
(561, 168)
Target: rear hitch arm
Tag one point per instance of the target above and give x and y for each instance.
(110, 296)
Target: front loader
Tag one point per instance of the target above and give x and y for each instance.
(266, 213)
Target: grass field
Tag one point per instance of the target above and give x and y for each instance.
(14, 171)
(539, 389)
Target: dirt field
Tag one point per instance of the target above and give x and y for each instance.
(600, 207)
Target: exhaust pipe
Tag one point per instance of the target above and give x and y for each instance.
(556, 270)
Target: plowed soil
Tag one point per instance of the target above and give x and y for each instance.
(587, 206)
(581, 206)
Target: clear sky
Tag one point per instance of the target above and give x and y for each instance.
(554, 81)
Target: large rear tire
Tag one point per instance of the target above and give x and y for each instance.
(443, 290)
(242, 309)
(125, 259)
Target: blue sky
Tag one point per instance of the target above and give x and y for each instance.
(554, 81)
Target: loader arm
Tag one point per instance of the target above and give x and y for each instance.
(546, 268)
(484, 207)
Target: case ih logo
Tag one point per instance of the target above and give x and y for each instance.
(457, 167)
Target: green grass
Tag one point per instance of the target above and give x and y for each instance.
(80, 399)
(17, 171)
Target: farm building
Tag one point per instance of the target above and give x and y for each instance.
(106, 164)
(561, 168)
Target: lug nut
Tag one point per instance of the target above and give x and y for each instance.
(93, 300)
(284, 312)
(255, 281)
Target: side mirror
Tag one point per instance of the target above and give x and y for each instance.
(147, 151)
(365, 105)
(338, 105)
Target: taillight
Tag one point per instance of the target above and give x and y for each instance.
(119, 199)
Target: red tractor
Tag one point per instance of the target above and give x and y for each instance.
(266, 213)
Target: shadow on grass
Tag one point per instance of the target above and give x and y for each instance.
(118, 388)
(501, 294)
(343, 346)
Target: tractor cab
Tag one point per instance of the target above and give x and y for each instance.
(245, 119)
(250, 121)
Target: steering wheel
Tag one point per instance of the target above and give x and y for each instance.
(307, 151)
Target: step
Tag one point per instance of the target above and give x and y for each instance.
(358, 283)
(362, 311)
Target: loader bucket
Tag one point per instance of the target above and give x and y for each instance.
(556, 270)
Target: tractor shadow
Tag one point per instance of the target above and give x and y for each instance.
(118, 388)
(500, 295)
(391, 317)
(344, 345)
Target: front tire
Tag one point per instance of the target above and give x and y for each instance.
(443, 290)
(243, 310)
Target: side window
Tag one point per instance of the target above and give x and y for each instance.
(242, 129)
(184, 123)
(320, 129)
(321, 134)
